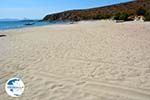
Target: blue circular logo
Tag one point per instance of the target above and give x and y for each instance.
(14, 87)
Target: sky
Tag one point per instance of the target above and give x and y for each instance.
(37, 9)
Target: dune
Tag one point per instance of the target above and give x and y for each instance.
(88, 60)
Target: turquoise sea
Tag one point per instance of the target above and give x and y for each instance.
(4, 25)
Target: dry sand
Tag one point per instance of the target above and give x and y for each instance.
(99, 60)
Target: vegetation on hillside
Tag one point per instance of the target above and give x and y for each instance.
(123, 15)
(122, 11)
(141, 12)
(147, 15)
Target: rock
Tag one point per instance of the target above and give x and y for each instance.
(2, 35)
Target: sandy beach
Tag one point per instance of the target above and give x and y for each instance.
(88, 60)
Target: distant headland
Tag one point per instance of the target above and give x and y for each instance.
(122, 11)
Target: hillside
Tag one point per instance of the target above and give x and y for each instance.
(94, 13)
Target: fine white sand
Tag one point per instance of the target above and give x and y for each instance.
(99, 60)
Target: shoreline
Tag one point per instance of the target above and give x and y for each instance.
(68, 23)
(36, 23)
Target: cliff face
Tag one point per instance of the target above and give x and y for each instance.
(90, 14)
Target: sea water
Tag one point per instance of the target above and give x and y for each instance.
(4, 25)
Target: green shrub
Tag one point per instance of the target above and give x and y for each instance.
(121, 16)
(96, 17)
(104, 16)
(141, 11)
(124, 16)
(147, 15)
(116, 15)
